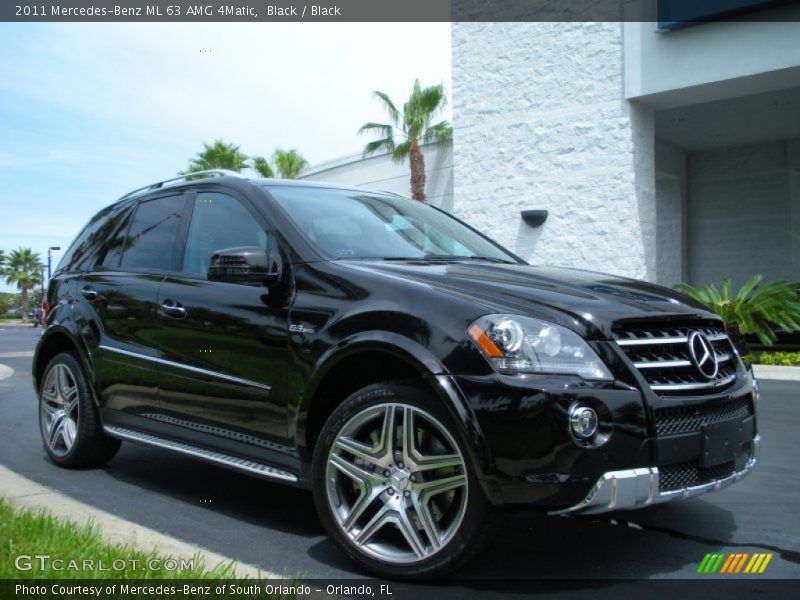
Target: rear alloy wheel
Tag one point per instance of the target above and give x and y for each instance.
(59, 409)
(396, 488)
(68, 419)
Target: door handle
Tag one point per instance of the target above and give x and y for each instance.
(173, 309)
(89, 293)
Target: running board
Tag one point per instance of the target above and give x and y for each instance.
(232, 462)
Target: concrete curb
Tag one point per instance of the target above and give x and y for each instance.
(5, 372)
(28, 494)
(775, 372)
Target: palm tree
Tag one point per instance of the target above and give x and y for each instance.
(753, 309)
(23, 269)
(2, 260)
(218, 155)
(289, 163)
(413, 126)
(261, 165)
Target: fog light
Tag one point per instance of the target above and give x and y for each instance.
(583, 421)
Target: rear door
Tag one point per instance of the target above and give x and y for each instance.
(122, 291)
(224, 345)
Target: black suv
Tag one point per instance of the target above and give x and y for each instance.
(376, 350)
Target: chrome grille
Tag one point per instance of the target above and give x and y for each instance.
(673, 420)
(662, 356)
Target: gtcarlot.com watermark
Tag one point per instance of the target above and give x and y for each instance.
(47, 562)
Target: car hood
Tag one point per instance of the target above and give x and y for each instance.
(584, 300)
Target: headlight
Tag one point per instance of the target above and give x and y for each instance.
(515, 344)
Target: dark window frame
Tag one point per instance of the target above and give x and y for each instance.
(183, 236)
(176, 240)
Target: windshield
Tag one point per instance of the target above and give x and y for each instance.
(358, 224)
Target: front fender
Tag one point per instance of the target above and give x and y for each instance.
(430, 369)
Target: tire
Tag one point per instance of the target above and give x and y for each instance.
(68, 419)
(385, 509)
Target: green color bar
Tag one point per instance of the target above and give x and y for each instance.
(706, 558)
(717, 564)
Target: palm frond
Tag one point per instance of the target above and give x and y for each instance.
(381, 129)
(401, 151)
(441, 133)
(753, 309)
(391, 109)
(262, 167)
(379, 146)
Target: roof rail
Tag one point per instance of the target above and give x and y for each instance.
(184, 177)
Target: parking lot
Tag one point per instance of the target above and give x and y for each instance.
(275, 527)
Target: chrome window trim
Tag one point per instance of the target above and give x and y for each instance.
(177, 365)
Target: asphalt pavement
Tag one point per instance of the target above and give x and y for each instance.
(276, 528)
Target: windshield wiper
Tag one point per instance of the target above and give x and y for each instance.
(461, 257)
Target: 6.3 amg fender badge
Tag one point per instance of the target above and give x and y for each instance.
(703, 355)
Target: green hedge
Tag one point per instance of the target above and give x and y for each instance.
(781, 359)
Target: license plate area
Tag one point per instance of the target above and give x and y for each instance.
(722, 442)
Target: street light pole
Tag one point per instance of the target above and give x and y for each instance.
(49, 260)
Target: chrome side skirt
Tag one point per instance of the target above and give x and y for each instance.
(170, 363)
(212, 456)
(636, 488)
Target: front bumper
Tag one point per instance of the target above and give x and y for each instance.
(636, 488)
(531, 460)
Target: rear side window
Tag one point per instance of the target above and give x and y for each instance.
(88, 247)
(150, 242)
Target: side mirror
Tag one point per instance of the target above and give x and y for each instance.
(247, 264)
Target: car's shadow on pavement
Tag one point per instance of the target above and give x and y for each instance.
(661, 541)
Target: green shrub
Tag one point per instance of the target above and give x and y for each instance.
(754, 309)
(779, 359)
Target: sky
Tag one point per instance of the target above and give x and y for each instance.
(89, 111)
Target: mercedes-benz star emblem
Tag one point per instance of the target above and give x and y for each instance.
(703, 355)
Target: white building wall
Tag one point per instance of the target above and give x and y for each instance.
(740, 212)
(670, 214)
(711, 61)
(541, 123)
(381, 173)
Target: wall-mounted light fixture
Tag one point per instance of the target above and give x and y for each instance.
(534, 218)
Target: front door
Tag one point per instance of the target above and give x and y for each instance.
(223, 345)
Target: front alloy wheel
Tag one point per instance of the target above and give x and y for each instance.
(396, 484)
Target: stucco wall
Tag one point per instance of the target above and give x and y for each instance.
(741, 207)
(541, 123)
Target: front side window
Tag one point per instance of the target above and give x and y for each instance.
(151, 238)
(358, 224)
(218, 222)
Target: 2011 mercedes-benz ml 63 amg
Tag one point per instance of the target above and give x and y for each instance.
(380, 352)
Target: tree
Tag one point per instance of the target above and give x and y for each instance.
(263, 168)
(218, 155)
(2, 259)
(289, 163)
(23, 270)
(413, 126)
(753, 309)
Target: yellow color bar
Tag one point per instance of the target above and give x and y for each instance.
(765, 563)
(751, 564)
